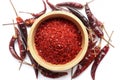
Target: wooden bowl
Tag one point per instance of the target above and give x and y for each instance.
(44, 63)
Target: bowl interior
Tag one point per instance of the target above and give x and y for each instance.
(59, 67)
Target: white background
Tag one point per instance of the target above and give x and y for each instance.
(105, 10)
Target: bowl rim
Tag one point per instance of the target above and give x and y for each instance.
(46, 64)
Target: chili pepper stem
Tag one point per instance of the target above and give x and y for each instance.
(14, 8)
(14, 29)
(110, 38)
(23, 62)
(103, 28)
(102, 37)
(9, 24)
(36, 15)
(107, 42)
(15, 33)
(105, 31)
(26, 63)
(88, 2)
(20, 65)
(71, 72)
(25, 12)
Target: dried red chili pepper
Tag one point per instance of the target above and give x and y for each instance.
(22, 49)
(52, 74)
(42, 12)
(23, 31)
(71, 4)
(53, 7)
(29, 22)
(12, 48)
(99, 58)
(35, 64)
(37, 14)
(87, 60)
(21, 26)
(93, 22)
(97, 61)
(20, 44)
(80, 16)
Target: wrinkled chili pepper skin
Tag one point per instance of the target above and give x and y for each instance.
(12, 48)
(86, 61)
(93, 41)
(98, 59)
(29, 22)
(22, 49)
(91, 17)
(80, 16)
(93, 22)
(22, 28)
(20, 44)
(71, 4)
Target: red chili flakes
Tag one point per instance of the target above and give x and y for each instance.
(58, 40)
